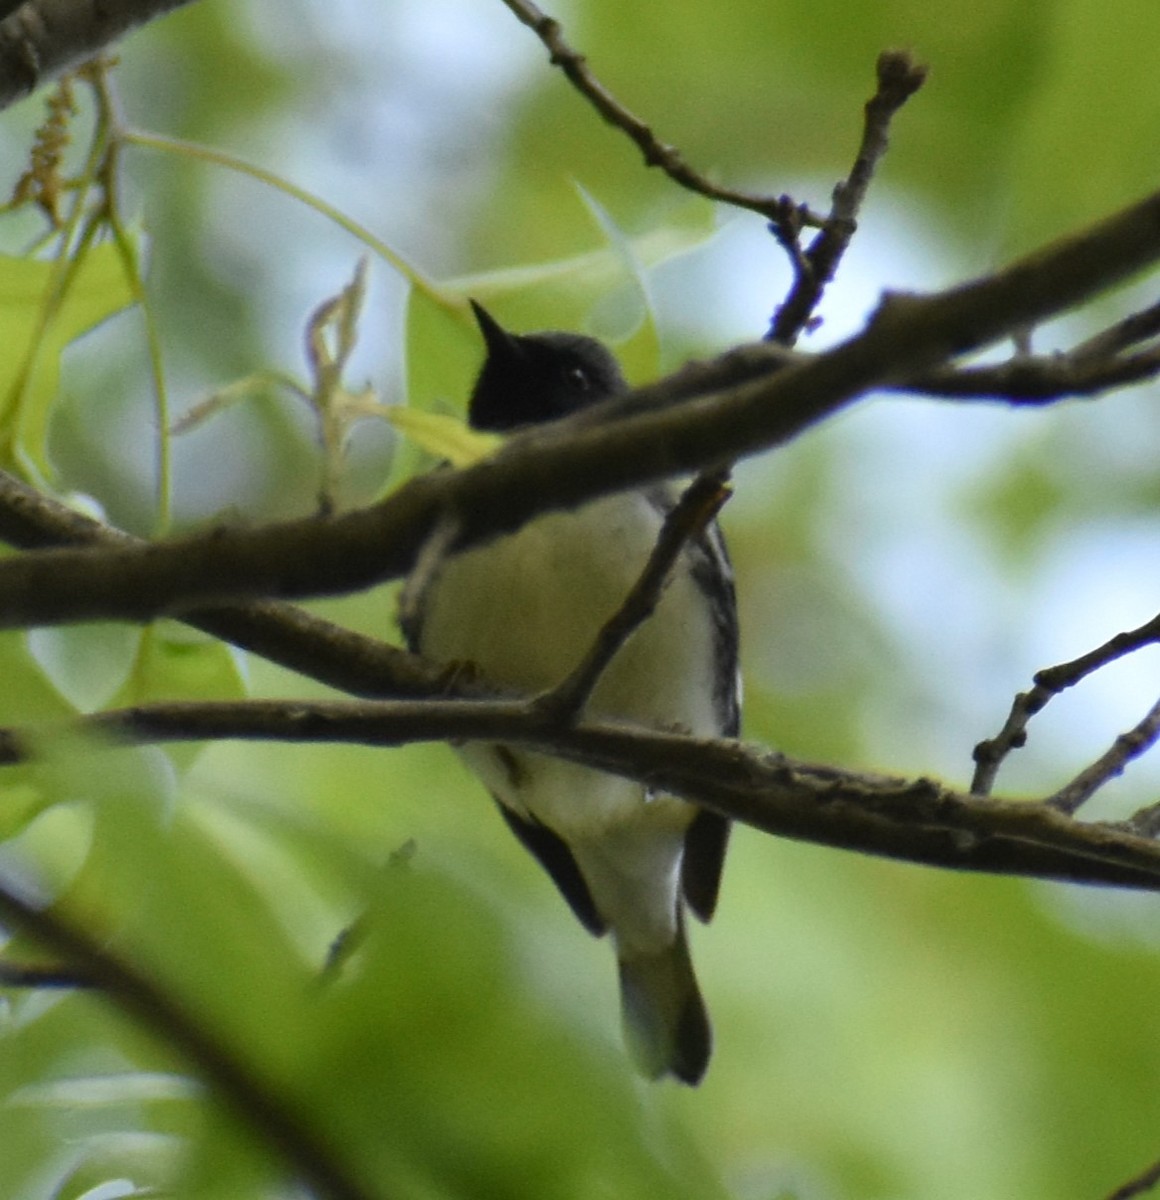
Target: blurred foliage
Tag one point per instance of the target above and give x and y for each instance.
(882, 1031)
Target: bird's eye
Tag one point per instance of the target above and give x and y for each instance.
(579, 378)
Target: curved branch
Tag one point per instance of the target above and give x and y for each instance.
(626, 442)
(899, 77)
(779, 210)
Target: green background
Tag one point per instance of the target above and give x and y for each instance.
(881, 1030)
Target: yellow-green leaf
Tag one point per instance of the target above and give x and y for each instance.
(177, 663)
(444, 437)
(43, 307)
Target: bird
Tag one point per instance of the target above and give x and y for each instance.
(523, 610)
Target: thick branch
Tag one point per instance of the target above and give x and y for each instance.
(286, 635)
(626, 442)
(919, 821)
(43, 38)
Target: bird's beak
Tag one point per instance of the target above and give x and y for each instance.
(500, 343)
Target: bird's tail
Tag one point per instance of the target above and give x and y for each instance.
(666, 1025)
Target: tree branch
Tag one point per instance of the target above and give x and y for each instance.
(1095, 365)
(1031, 380)
(778, 210)
(289, 636)
(990, 754)
(1132, 329)
(915, 820)
(40, 39)
(625, 442)
(1138, 1186)
(690, 517)
(899, 77)
(1139, 739)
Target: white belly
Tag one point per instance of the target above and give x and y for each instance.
(526, 609)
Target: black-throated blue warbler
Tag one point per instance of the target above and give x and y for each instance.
(524, 610)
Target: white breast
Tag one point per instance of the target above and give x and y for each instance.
(526, 608)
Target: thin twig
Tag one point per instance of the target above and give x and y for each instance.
(428, 566)
(1126, 747)
(1092, 366)
(656, 153)
(1067, 674)
(25, 975)
(685, 522)
(1137, 327)
(1049, 682)
(899, 77)
(1144, 1182)
(1040, 380)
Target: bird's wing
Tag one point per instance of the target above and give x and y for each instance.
(705, 844)
(554, 856)
(708, 835)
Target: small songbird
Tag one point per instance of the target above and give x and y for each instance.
(524, 610)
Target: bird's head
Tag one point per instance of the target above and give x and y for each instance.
(530, 378)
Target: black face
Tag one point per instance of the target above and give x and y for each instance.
(538, 377)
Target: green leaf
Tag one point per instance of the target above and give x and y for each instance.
(627, 313)
(444, 437)
(443, 348)
(87, 664)
(27, 700)
(442, 351)
(436, 1057)
(121, 1164)
(44, 307)
(177, 663)
(567, 293)
(22, 800)
(28, 695)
